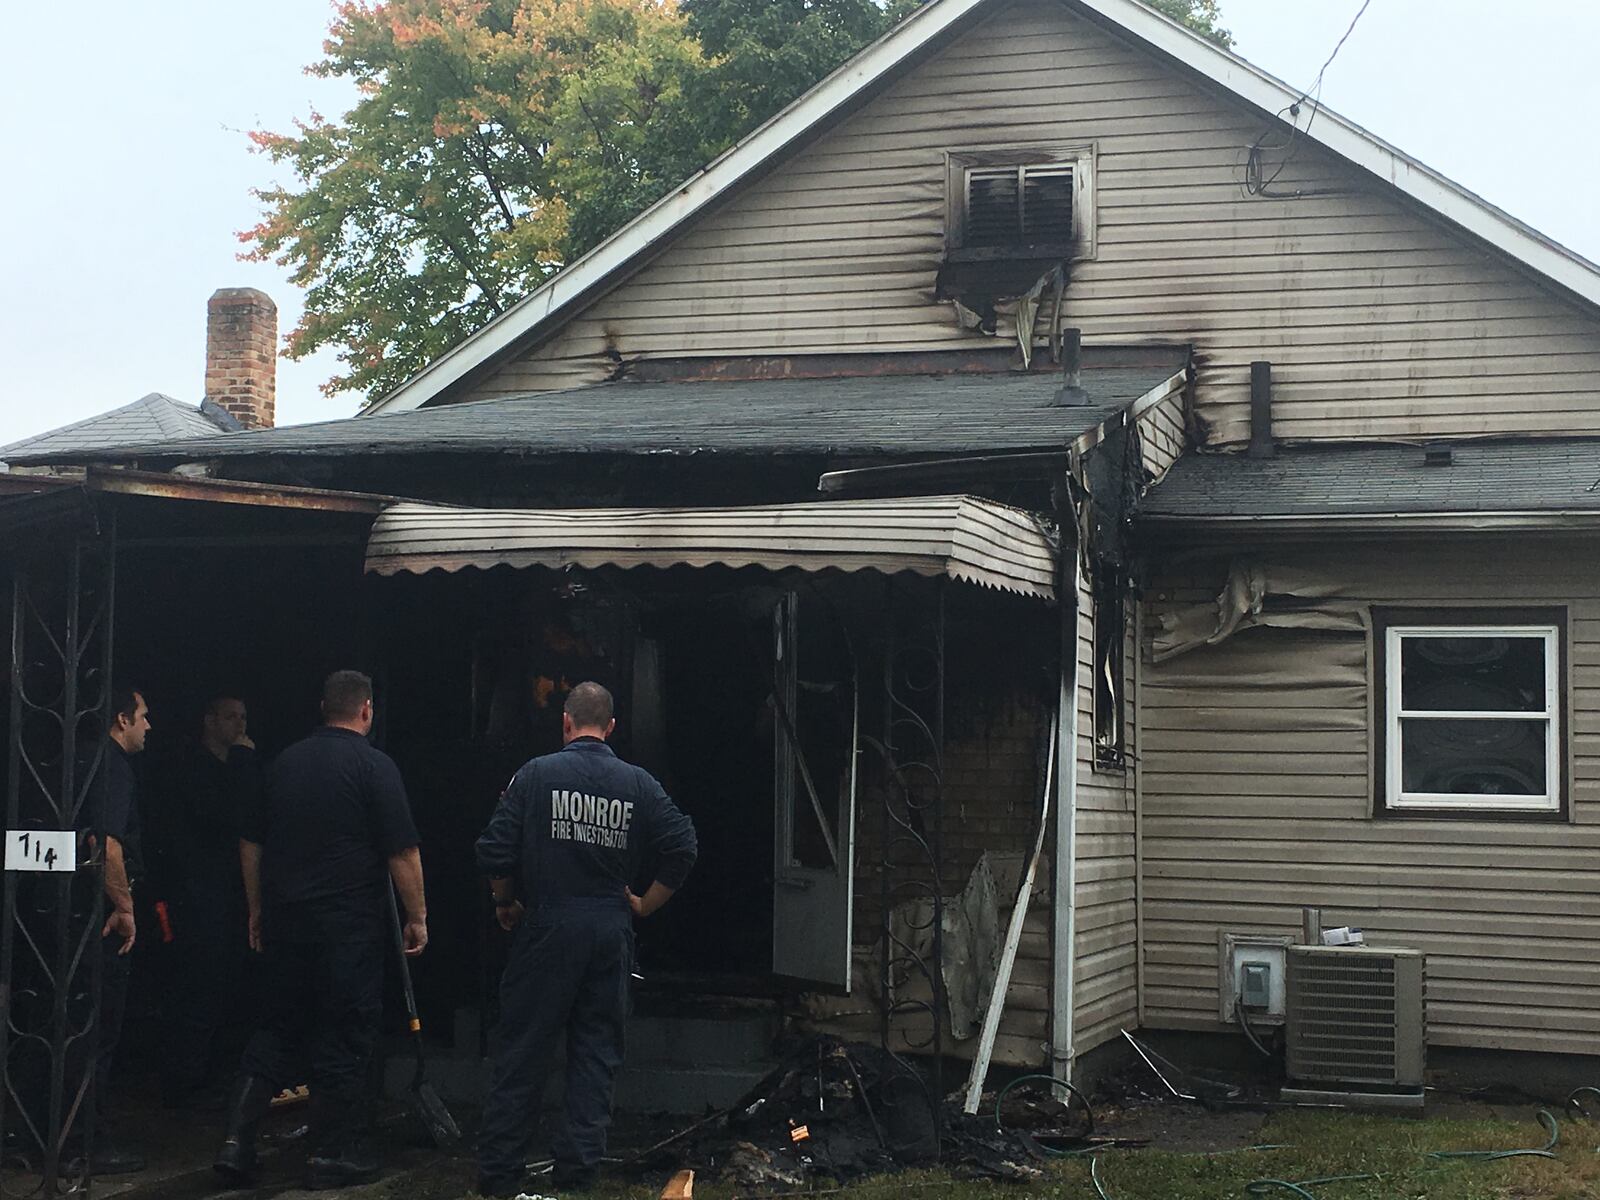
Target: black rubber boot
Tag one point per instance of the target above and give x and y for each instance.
(350, 1165)
(251, 1097)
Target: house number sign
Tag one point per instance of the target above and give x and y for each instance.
(41, 850)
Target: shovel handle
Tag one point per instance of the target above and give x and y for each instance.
(405, 966)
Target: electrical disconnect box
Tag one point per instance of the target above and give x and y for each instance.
(1251, 975)
(1255, 985)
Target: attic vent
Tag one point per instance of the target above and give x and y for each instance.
(1025, 205)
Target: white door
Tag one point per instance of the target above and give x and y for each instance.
(816, 717)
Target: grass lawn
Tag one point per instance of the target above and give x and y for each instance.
(1317, 1144)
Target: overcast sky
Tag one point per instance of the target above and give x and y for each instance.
(129, 172)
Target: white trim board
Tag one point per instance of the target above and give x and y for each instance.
(564, 296)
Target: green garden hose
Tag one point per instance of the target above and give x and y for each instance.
(1545, 1118)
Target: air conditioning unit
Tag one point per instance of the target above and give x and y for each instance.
(1354, 1021)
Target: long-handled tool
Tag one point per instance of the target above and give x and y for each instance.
(436, 1118)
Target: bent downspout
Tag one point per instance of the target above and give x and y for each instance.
(1063, 954)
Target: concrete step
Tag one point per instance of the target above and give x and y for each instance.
(683, 1090)
(732, 1039)
(675, 1063)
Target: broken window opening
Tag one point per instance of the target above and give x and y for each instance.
(1110, 629)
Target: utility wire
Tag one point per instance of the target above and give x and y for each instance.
(1254, 184)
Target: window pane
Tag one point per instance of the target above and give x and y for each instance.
(1473, 758)
(1476, 674)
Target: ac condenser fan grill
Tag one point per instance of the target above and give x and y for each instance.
(1350, 1016)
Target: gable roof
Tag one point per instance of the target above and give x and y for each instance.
(151, 418)
(560, 299)
(890, 415)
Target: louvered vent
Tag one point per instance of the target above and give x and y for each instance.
(1019, 206)
(1355, 1016)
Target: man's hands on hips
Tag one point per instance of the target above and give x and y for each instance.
(654, 897)
(509, 916)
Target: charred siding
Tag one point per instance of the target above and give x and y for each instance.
(1379, 321)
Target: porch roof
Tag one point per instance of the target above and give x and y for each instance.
(910, 414)
(962, 537)
(1484, 483)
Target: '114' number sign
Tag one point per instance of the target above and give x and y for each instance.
(41, 850)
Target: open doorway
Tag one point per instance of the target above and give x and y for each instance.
(702, 724)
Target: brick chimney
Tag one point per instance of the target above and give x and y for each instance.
(241, 355)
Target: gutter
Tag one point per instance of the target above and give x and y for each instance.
(1277, 524)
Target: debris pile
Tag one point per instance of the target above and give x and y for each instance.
(834, 1111)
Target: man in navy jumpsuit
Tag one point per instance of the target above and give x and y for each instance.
(572, 831)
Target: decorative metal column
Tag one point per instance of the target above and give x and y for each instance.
(50, 962)
(912, 885)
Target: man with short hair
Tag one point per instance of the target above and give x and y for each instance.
(333, 831)
(201, 883)
(569, 835)
(117, 819)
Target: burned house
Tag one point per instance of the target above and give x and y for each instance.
(980, 450)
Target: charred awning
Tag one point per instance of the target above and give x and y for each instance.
(961, 537)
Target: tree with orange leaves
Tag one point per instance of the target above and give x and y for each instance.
(497, 140)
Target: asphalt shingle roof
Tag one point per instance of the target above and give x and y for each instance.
(153, 418)
(900, 414)
(1484, 476)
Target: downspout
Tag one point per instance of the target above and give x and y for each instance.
(1069, 582)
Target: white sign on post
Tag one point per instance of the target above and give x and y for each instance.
(41, 850)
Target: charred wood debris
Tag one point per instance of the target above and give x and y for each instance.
(837, 1111)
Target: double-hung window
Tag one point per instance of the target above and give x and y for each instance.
(1471, 713)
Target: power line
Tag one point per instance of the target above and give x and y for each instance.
(1254, 184)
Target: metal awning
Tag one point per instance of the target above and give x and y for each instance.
(963, 537)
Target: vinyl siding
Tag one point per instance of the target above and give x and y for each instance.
(1379, 320)
(1256, 797)
(1107, 935)
(1162, 437)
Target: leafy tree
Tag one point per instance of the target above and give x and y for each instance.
(492, 139)
(1199, 15)
(497, 140)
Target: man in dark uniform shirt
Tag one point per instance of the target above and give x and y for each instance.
(571, 832)
(217, 781)
(333, 831)
(118, 820)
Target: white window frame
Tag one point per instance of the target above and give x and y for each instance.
(1397, 798)
(1080, 157)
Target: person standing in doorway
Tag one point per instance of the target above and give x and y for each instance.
(118, 821)
(332, 831)
(201, 882)
(569, 835)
